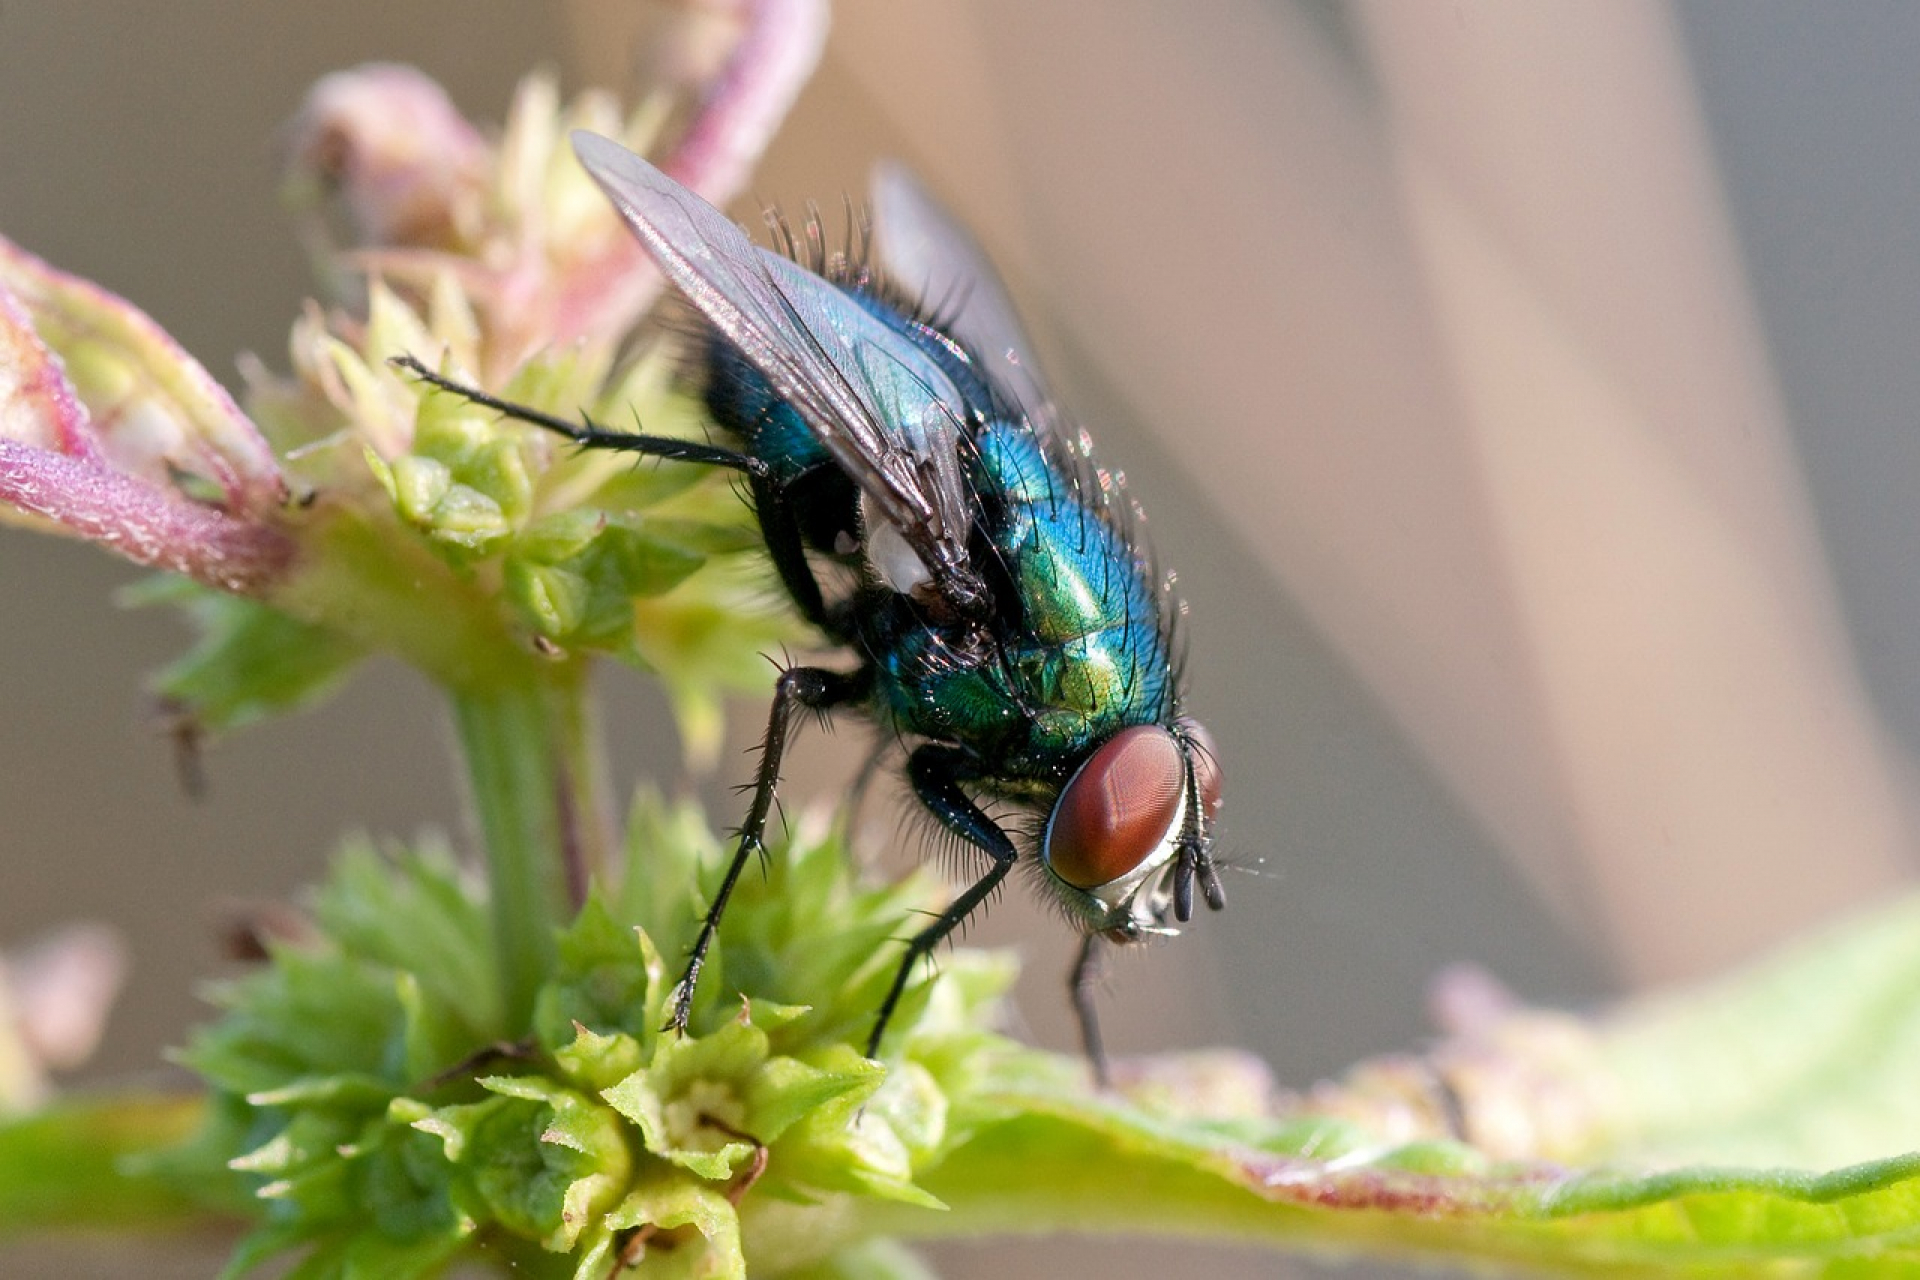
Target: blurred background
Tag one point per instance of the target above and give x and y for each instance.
(1522, 394)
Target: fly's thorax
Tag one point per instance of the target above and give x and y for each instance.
(1131, 821)
(1081, 590)
(1034, 709)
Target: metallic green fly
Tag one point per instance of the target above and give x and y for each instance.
(927, 511)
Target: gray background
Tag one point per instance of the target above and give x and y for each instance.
(136, 148)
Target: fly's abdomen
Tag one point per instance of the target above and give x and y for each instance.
(822, 496)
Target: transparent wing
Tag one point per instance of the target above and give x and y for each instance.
(880, 405)
(935, 259)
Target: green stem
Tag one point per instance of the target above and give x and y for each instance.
(533, 755)
(533, 766)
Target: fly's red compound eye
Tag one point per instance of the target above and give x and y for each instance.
(1117, 810)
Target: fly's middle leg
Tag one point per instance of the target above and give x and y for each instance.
(936, 772)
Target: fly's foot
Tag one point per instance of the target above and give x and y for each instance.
(900, 979)
(682, 1001)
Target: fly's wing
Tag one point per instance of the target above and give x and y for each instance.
(935, 259)
(880, 405)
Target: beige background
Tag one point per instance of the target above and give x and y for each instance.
(1553, 608)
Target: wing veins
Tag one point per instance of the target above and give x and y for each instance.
(740, 289)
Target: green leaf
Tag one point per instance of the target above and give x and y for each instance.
(412, 913)
(419, 485)
(467, 518)
(559, 537)
(580, 1146)
(872, 1260)
(500, 471)
(451, 431)
(1813, 1051)
(648, 483)
(360, 1254)
(667, 845)
(789, 1089)
(504, 1174)
(715, 1253)
(599, 1062)
(307, 1016)
(608, 978)
(250, 662)
(1066, 1162)
(1807, 1059)
(871, 1147)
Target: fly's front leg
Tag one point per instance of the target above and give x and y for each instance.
(936, 773)
(588, 436)
(798, 687)
(778, 524)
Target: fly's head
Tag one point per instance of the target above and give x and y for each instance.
(1132, 832)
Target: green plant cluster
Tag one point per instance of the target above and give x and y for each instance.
(367, 1089)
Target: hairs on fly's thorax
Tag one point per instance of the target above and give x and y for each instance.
(852, 265)
(1104, 490)
(848, 265)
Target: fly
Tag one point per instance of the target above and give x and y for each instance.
(891, 427)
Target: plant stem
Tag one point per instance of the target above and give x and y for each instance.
(533, 767)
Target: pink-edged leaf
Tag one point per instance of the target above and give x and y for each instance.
(141, 520)
(93, 377)
(37, 404)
